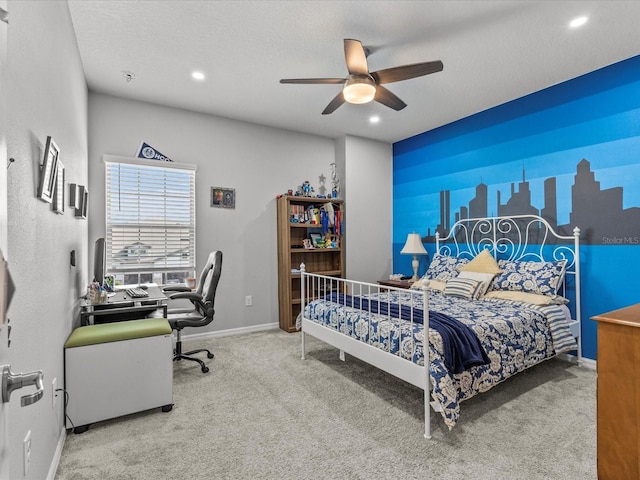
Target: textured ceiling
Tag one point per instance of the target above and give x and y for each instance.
(493, 52)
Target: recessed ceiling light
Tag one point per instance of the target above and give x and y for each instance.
(578, 22)
(374, 119)
(198, 75)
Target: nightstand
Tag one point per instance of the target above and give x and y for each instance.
(396, 283)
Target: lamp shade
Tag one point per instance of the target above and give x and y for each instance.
(413, 245)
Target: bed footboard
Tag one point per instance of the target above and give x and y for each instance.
(367, 347)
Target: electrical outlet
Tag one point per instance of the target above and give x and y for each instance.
(248, 301)
(54, 394)
(26, 450)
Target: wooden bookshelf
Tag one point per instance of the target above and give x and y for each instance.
(291, 253)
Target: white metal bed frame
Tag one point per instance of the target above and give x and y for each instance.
(505, 237)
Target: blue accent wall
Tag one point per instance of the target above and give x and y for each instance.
(570, 153)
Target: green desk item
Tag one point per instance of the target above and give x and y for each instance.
(117, 331)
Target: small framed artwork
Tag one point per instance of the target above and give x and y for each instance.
(223, 197)
(315, 239)
(83, 195)
(48, 171)
(79, 200)
(306, 243)
(58, 192)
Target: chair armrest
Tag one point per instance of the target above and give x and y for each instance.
(196, 299)
(176, 288)
(189, 295)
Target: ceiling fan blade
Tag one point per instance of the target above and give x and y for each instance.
(355, 57)
(405, 72)
(389, 99)
(334, 104)
(313, 80)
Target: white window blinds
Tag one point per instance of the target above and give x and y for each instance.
(150, 216)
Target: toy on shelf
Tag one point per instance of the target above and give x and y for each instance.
(335, 183)
(306, 189)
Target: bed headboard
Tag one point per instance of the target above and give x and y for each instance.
(517, 238)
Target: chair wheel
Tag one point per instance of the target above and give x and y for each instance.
(205, 369)
(209, 355)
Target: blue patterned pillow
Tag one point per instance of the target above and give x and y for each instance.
(542, 278)
(444, 267)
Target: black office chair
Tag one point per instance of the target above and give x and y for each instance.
(203, 300)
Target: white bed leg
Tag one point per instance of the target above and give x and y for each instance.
(427, 415)
(302, 346)
(342, 355)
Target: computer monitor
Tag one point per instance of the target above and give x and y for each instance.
(99, 261)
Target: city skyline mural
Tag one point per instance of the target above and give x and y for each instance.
(598, 212)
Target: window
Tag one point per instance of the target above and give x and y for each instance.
(150, 221)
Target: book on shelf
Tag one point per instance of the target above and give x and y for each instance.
(314, 215)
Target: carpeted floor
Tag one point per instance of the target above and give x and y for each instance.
(262, 413)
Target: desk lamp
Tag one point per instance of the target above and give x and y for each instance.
(413, 246)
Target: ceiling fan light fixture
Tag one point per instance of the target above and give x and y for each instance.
(359, 89)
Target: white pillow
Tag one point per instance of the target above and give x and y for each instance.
(485, 280)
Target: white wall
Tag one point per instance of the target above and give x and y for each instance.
(46, 95)
(4, 27)
(258, 161)
(368, 199)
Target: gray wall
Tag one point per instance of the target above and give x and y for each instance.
(46, 95)
(258, 161)
(368, 197)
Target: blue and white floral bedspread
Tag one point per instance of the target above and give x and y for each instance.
(514, 335)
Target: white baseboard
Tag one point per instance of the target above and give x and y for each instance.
(55, 461)
(589, 363)
(586, 362)
(231, 331)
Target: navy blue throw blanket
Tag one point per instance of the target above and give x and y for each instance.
(462, 349)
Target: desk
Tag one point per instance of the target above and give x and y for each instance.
(121, 303)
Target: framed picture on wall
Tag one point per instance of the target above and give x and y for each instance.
(58, 192)
(223, 197)
(79, 200)
(48, 171)
(83, 196)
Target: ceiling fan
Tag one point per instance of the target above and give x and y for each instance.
(362, 86)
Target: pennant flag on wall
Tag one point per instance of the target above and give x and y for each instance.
(150, 153)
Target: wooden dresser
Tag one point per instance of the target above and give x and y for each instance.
(619, 394)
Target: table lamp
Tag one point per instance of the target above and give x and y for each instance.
(413, 246)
